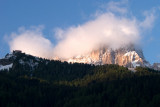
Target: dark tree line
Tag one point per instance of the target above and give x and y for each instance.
(62, 84)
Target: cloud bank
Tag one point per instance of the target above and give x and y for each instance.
(31, 42)
(105, 29)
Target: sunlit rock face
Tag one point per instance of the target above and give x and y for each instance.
(127, 56)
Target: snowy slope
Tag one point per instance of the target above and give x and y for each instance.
(27, 61)
(6, 67)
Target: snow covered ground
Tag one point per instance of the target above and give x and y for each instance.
(7, 67)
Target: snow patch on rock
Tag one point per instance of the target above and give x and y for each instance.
(7, 67)
(135, 63)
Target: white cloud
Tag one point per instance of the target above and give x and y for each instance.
(31, 42)
(59, 33)
(106, 29)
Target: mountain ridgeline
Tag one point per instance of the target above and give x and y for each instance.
(29, 81)
(128, 56)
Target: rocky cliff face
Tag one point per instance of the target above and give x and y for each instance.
(127, 56)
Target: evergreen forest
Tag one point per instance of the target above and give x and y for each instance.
(61, 84)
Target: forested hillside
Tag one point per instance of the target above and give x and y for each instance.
(60, 84)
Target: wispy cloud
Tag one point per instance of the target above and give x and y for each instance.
(116, 6)
(150, 17)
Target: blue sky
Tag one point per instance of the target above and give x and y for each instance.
(62, 14)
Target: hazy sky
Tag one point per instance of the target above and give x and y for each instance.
(49, 25)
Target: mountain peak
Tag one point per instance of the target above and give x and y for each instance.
(127, 56)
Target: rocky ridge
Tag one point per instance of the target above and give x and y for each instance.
(129, 57)
(126, 56)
